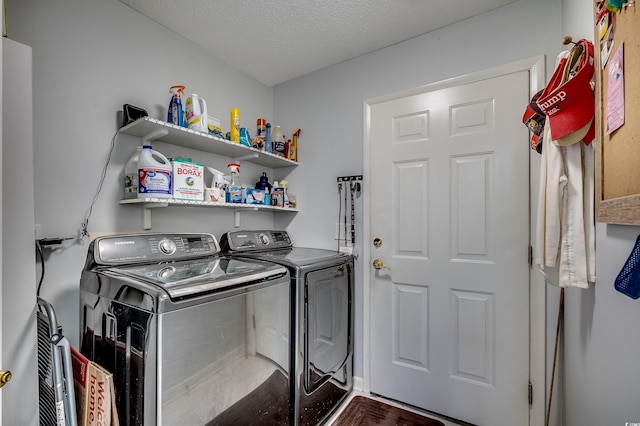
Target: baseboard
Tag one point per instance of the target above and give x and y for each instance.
(358, 383)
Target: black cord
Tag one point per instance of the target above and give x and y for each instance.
(85, 222)
(339, 212)
(39, 250)
(45, 242)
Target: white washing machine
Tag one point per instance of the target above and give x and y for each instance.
(322, 284)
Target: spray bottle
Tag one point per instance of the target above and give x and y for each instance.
(176, 113)
(234, 195)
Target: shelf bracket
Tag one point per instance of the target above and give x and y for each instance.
(154, 135)
(146, 218)
(236, 219)
(246, 157)
(146, 214)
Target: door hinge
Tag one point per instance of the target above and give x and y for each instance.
(530, 393)
(530, 260)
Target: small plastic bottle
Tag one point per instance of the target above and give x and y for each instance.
(285, 198)
(277, 194)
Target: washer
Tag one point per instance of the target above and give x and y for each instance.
(191, 336)
(322, 283)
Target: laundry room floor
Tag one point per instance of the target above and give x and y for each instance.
(337, 420)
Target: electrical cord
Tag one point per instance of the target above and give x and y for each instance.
(339, 212)
(85, 223)
(46, 242)
(39, 251)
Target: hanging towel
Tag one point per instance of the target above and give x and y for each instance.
(565, 226)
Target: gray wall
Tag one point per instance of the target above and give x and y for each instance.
(92, 56)
(89, 58)
(599, 380)
(332, 99)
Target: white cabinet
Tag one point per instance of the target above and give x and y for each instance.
(150, 129)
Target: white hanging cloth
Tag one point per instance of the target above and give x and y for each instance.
(565, 231)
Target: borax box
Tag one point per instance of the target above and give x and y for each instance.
(187, 179)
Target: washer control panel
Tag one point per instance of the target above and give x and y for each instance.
(143, 248)
(244, 241)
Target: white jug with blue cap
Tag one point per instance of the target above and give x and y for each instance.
(154, 174)
(196, 112)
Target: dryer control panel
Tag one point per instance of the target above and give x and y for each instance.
(246, 241)
(144, 248)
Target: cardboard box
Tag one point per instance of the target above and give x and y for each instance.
(94, 390)
(188, 180)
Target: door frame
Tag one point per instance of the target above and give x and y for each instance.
(537, 288)
(1, 266)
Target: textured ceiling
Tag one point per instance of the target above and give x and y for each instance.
(275, 41)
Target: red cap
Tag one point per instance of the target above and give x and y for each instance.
(568, 99)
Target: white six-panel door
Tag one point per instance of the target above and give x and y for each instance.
(450, 206)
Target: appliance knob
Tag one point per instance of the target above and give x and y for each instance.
(264, 239)
(166, 273)
(167, 246)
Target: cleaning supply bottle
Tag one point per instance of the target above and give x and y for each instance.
(234, 124)
(267, 139)
(196, 112)
(285, 198)
(293, 149)
(278, 141)
(234, 194)
(131, 175)
(176, 113)
(263, 183)
(154, 174)
(277, 195)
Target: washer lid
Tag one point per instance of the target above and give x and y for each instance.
(188, 278)
(302, 256)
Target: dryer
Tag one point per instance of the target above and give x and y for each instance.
(322, 288)
(191, 336)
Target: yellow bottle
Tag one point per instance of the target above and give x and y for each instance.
(293, 148)
(234, 123)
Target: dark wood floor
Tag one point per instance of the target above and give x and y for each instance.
(364, 411)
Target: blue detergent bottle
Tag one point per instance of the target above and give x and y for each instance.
(176, 112)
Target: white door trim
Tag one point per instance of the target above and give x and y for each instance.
(537, 288)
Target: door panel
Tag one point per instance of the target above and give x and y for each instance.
(450, 312)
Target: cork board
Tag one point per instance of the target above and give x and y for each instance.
(618, 153)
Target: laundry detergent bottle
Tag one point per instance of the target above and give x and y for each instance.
(176, 112)
(154, 174)
(196, 112)
(131, 175)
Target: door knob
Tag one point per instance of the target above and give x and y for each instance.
(378, 264)
(5, 376)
